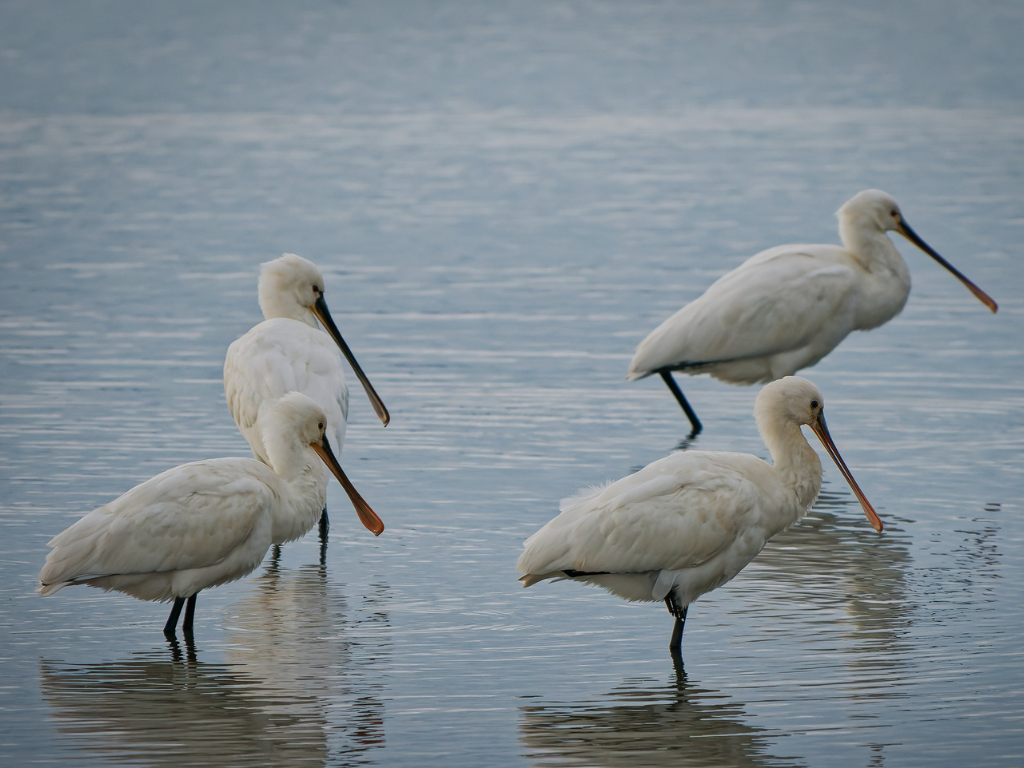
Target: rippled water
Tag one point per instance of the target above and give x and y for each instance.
(504, 201)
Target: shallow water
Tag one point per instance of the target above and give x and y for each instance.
(504, 202)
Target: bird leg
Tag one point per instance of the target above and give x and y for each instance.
(679, 612)
(172, 620)
(687, 409)
(323, 547)
(676, 643)
(325, 526)
(190, 614)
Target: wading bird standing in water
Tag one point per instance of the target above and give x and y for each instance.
(688, 523)
(787, 307)
(209, 522)
(288, 352)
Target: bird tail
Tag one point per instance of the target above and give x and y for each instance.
(49, 589)
(532, 578)
(633, 374)
(566, 573)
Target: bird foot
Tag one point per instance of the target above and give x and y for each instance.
(674, 606)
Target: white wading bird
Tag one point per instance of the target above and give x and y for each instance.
(206, 523)
(789, 306)
(688, 523)
(288, 352)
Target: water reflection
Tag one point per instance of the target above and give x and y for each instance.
(865, 571)
(978, 557)
(849, 584)
(298, 687)
(686, 443)
(294, 632)
(642, 724)
(155, 709)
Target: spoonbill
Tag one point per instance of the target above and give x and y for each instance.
(288, 352)
(206, 523)
(688, 523)
(789, 306)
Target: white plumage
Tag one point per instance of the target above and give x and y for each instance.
(688, 523)
(288, 352)
(787, 307)
(206, 523)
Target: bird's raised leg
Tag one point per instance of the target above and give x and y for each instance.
(679, 612)
(172, 620)
(190, 614)
(695, 424)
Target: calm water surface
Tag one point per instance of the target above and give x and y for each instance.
(504, 201)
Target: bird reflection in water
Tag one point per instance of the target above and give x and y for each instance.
(825, 561)
(189, 654)
(294, 690)
(294, 632)
(642, 724)
(167, 709)
(856, 609)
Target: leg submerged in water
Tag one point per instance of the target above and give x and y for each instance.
(189, 604)
(172, 621)
(190, 614)
(325, 526)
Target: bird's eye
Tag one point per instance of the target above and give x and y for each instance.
(894, 213)
(814, 403)
(320, 426)
(316, 289)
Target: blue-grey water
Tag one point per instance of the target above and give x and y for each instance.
(505, 198)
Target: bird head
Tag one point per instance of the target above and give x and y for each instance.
(290, 286)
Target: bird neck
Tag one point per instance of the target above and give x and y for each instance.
(303, 490)
(289, 458)
(886, 273)
(276, 303)
(872, 247)
(794, 460)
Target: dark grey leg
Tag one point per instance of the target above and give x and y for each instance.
(676, 642)
(325, 526)
(679, 612)
(172, 620)
(690, 413)
(190, 614)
